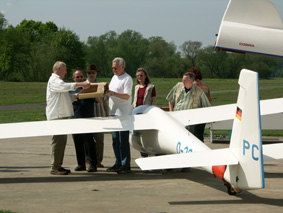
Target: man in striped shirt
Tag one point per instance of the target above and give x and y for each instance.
(186, 95)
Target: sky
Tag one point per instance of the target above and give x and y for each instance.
(173, 20)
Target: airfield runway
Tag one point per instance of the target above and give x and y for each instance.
(26, 185)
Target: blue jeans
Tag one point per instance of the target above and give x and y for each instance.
(121, 147)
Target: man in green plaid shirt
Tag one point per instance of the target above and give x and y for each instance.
(187, 95)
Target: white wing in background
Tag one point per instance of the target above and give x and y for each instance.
(224, 113)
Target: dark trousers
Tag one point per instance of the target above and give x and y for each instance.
(197, 130)
(99, 141)
(85, 148)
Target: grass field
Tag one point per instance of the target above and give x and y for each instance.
(29, 93)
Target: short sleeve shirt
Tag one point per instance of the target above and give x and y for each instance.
(121, 84)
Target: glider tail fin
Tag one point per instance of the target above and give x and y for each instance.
(246, 141)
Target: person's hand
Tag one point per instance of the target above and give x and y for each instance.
(98, 99)
(109, 92)
(76, 96)
(85, 85)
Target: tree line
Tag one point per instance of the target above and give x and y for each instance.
(29, 50)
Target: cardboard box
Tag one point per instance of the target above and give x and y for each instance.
(95, 90)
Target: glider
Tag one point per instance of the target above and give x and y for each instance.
(251, 26)
(163, 134)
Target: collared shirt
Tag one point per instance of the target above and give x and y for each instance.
(58, 100)
(195, 98)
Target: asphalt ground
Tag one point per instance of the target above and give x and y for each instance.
(27, 186)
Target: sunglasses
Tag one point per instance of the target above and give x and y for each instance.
(90, 73)
(79, 76)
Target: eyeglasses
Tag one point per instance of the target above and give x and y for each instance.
(140, 75)
(90, 73)
(79, 76)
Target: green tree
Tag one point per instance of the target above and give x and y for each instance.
(191, 50)
(278, 69)
(40, 36)
(133, 48)
(163, 60)
(43, 55)
(68, 48)
(3, 23)
(37, 29)
(213, 64)
(14, 54)
(235, 63)
(101, 51)
(129, 45)
(261, 64)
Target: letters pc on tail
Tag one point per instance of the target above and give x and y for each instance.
(157, 132)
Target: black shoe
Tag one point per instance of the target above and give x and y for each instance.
(92, 169)
(124, 170)
(80, 168)
(99, 165)
(114, 168)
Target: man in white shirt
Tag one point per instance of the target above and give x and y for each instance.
(59, 106)
(120, 99)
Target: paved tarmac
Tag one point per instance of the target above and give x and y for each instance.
(26, 185)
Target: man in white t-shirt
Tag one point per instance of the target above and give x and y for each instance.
(120, 99)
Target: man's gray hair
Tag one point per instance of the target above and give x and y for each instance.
(191, 75)
(58, 64)
(120, 60)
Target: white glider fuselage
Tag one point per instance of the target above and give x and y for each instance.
(171, 137)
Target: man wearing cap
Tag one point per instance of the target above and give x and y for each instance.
(100, 110)
(120, 99)
(84, 143)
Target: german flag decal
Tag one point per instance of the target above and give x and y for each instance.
(239, 114)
